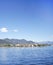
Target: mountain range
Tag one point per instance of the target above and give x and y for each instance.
(22, 41)
(15, 41)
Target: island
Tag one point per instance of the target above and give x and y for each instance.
(21, 43)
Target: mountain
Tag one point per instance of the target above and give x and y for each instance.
(15, 41)
(46, 42)
(22, 41)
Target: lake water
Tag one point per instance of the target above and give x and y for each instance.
(26, 56)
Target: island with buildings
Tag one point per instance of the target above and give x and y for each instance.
(22, 43)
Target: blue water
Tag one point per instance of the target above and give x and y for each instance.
(26, 56)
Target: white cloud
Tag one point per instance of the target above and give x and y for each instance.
(3, 29)
(15, 30)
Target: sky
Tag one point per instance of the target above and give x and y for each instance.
(26, 19)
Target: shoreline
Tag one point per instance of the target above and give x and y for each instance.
(25, 45)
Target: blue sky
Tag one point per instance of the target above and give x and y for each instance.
(26, 19)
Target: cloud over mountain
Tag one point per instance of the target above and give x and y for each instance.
(15, 30)
(3, 29)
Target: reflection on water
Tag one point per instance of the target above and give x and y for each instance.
(26, 56)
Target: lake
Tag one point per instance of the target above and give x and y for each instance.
(26, 56)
